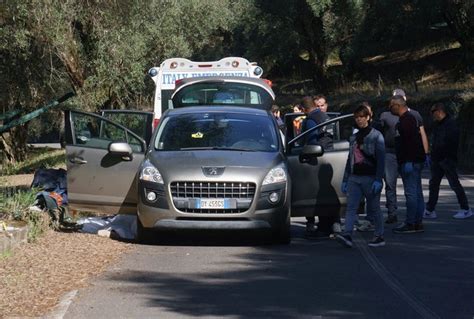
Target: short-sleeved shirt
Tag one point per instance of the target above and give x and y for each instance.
(408, 143)
(388, 122)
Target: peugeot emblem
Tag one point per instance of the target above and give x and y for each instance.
(212, 170)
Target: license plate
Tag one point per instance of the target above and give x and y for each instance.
(212, 203)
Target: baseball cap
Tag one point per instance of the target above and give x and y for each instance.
(399, 92)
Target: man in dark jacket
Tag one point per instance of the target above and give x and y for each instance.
(444, 149)
(315, 116)
(411, 158)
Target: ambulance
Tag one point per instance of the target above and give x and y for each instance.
(173, 70)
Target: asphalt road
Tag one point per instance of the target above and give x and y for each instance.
(428, 275)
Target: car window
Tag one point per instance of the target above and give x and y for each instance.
(94, 132)
(222, 93)
(136, 122)
(339, 132)
(217, 130)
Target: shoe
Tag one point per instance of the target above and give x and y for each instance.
(405, 229)
(336, 228)
(344, 240)
(377, 241)
(391, 219)
(462, 214)
(366, 227)
(429, 215)
(419, 228)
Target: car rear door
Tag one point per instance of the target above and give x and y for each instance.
(316, 183)
(99, 180)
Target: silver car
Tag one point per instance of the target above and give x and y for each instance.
(216, 161)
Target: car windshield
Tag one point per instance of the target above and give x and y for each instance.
(223, 93)
(217, 131)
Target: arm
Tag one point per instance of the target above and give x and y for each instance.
(424, 139)
(380, 158)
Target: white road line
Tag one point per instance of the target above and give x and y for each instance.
(60, 310)
(391, 281)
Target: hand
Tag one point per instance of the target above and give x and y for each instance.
(344, 187)
(376, 187)
(408, 167)
(428, 161)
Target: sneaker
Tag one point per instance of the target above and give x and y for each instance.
(405, 229)
(366, 227)
(419, 228)
(377, 241)
(462, 214)
(344, 240)
(336, 228)
(391, 219)
(429, 215)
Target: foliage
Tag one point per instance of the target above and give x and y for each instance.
(103, 49)
(37, 158)
(15, 206)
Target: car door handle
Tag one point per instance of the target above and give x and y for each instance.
(78, 160)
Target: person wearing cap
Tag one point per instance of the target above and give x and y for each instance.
(444, 150)
(387, 123)
(410, 157)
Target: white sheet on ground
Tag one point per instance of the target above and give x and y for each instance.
(125, 226)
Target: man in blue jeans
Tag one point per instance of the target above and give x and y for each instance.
(411, 159)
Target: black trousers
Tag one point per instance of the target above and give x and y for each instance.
(439, 169)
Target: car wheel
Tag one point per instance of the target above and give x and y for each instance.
(144, 235)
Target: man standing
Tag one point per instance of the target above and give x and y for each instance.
(388, 122)
(314, 116)
(444, 150)
(411, 157)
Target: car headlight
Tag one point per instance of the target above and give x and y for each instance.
(275, 175)
(150, 173)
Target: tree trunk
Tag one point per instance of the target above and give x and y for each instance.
(13, 144)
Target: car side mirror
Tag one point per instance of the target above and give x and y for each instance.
(121, 149)
(311, 152)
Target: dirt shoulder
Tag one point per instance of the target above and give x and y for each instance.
(36, 275)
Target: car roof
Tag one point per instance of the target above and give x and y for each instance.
(233, 79)
(225, 109)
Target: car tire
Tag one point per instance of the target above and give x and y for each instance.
(144, 235)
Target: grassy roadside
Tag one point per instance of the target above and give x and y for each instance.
(16, 196)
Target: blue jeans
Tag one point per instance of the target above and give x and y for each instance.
(446, 168)
(391, 175)
(357, 187)
(413, 193)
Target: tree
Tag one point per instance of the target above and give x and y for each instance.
(100, 49)
(459, 15)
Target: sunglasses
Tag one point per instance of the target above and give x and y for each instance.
(435, 110)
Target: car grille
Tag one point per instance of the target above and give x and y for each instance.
(212, 190)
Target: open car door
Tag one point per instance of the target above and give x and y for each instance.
(316, 173)
(139, 122)
(102, 164)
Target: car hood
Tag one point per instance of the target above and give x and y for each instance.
(237, 166)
